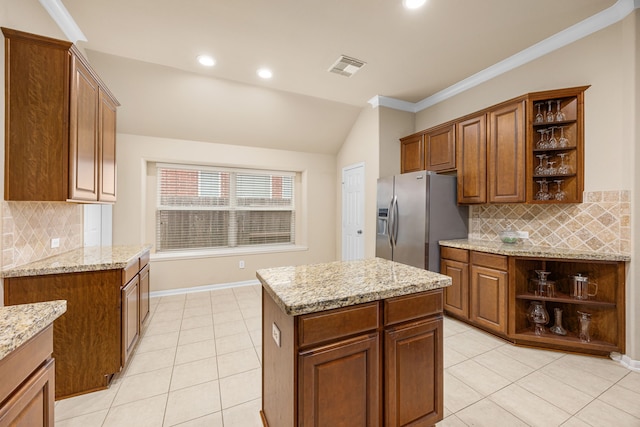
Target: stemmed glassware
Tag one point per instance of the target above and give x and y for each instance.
(563, 169)
(540, 169)
(553, 142)
(560, 193)
(550, 117)
(542, 142)
(543, 192)
(550, 170)
(562, 142)
(559, 114)
(539, 116)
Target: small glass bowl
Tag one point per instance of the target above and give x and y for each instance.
(509, 237)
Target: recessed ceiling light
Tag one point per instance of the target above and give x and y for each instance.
(265, 73)
(206, 60)
(413, 4)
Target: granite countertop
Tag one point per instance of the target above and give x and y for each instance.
(318, 287)
(529, 250)
(82, 259)
(20, 323)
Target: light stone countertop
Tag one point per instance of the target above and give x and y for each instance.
(82, 259)
(528, 250)
(20, 323)
(319, 287)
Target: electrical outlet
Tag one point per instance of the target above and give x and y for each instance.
(241, 264)
(275, 333)
(55, 243)
(523, 234)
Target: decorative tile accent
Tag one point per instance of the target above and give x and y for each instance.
(28, 227)
(601, 223)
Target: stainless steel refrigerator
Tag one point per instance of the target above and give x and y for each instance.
(416, 210)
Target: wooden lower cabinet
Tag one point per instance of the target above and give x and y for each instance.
(370, 364)
(28, 378)
(145, 284)
(456, 296)
(351, 364)
(130, 317)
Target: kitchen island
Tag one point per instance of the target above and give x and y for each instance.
(356, 342)
(107, 294)
(26, 365)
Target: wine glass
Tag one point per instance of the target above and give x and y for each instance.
(540, 169)
(563, 169)
(543, 192)
(550, 117)
(562, 141)
(559, 114)
(550, 170)
(560, 193)
(539, 116)
(553, 142)
(542, 143)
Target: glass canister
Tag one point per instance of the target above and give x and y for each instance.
(585, 323)
(539, 316)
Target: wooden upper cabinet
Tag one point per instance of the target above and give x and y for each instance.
(506, 153)
(59, 137)
(471, 152)
(411, 153)
(440, 148)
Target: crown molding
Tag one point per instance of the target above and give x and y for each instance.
(65, 21)
(603, 19)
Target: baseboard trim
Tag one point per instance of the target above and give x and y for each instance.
(626, 361)
(203, 288)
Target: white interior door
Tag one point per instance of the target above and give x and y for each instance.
(353, 212)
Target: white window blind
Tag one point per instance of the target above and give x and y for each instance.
(200, 208)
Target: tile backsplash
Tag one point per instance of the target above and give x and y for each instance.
(602, 223)
(28, 227)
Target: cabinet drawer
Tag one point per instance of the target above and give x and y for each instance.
(454, 254)
(129, 272)
(489, 260)
(144, 260)
(402, 309)
(333, 324)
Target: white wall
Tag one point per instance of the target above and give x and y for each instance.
(131, 214)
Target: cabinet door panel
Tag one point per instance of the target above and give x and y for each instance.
(506, 154)
(456, 296)
(413, 374)
(440, 149)
(353, 365)
(471, 151)
(489, 298)
(83, 136)
(144, 294)
(130, 318)
(411, 154)
(107, 151)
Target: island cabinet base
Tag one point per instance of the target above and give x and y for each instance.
(373, 364)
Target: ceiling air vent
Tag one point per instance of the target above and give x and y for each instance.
(346, 66)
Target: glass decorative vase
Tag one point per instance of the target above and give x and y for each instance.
(538, 316)
(557, 327)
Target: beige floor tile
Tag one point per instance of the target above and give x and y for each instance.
(197, 311)
(227, 316)
(622, 398)
(458, 395)
(157, 342)
(195, 351)
(189, 336)
(211, 420)
(240, 388)
(555, 391)
(528, 407)
(197, 299)
(575, 422)
(232, 343)
(224, 306)
(173, 298)
(464, 344)
(142, 386)
(502, 364)
(95, 419)
(533, 358)
(192, 373)
(151, 361)
(256, 337)
(192, 402)
(258, 350)
(141, 413)
(230, 328)
(486, 413)
(170, 306)
(163, 327)
(452, 357)
(598, 413)
(486, 338)
(221, 291)
(196, 322)
(86, 403)
(451, 421)
(221, 299)
(166, 316)
(602, 367)
(243, 415)
(238, 361)
(631, 381)
(571, 373)
(253, 323)
(250, 311)
(481, 379)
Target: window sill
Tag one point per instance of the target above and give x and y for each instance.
(214, 253)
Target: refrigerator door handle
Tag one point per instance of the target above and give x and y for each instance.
(389, 222)
(394, 225)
